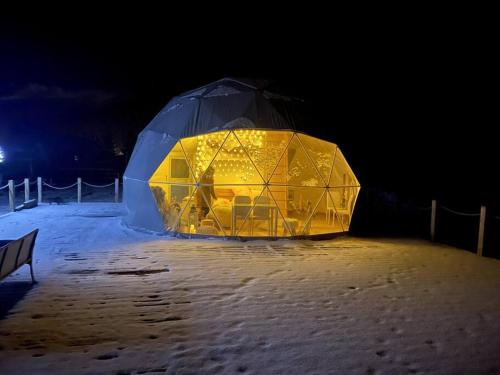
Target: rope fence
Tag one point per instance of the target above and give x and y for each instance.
(458, 212)
(60, 187)
(11, 186)
(482, 222)
(98, 186)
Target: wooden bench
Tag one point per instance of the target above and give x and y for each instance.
(15, 253)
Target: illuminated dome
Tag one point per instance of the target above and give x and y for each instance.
(225, 160)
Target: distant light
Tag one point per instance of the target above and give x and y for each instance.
(2, 155)
(118, 151)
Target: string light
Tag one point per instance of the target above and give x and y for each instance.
(232, 157)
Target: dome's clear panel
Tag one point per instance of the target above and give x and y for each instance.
(201, 150)
(300, 169)
(321, 153)
(175, 168)
(343, 200)
(264, 147)
(298, 206)
(342, 174)
(231, 166)
(172, 201)
(322, 220)
(227, 208)
(258, 214)
(208, 218)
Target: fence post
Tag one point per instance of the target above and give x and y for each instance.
(12, 192)
(26, 189)
(39, 186)
(117, 189)
(480, 241)
(433, 220)
(79, 180)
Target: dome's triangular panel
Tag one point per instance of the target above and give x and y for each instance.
(342, 174)
(175, 168)
(265, 148)
(301, 170)
(232, 166)
(321, 153)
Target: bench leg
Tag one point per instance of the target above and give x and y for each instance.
(32, 274)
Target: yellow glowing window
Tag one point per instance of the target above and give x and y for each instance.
(255, 183)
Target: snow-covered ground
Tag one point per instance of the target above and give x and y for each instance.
(112, 300)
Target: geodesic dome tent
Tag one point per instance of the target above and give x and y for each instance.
(226, 160)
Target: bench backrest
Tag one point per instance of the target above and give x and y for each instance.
(11, 251)
(16, 253)
(26, 252)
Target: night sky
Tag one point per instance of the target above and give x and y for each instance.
(411, 109)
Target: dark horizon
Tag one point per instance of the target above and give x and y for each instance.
(411, 114)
